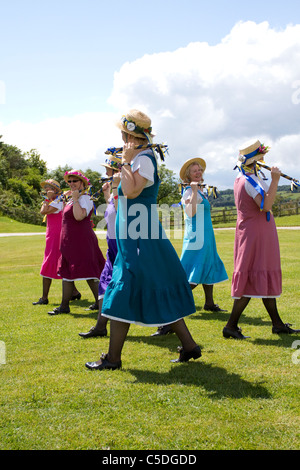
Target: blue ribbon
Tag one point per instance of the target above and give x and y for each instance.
(258, 189)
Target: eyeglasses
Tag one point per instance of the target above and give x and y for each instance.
(73, 181)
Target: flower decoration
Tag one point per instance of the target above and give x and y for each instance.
(132, 127)
(262, 149)
(77, 173)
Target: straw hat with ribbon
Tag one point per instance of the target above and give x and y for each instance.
(252, 153)
(113, 163)
(136, 123)
(53, 183)
(189, 162)
(78, 174)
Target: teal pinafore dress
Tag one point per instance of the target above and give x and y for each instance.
(149, 285)
(201, 263)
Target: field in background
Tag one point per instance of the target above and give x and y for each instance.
(239, 395)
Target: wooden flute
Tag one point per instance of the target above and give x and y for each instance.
(296, 182)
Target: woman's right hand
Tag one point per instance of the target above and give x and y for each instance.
(194, 186)
(275, 173)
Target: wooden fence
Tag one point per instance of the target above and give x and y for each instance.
(279, 210)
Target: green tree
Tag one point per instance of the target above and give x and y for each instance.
(169, 191)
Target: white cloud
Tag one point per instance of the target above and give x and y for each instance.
(203, 100)
(207, 100)
(79, 141)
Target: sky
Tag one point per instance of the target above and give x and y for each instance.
(212, 75)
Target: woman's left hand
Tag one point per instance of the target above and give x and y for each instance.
(128, 152)
(116, 179)
(75, 195)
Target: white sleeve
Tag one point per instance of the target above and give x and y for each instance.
(251, 191)
(86, 203)
(145, 167)
(57, 205)
(188, 194)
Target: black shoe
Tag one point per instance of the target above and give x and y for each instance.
(105, 364)
(76, 297)
(58, 310)
(185, 356)
(94, 306)
(93, 332)
(236, 334)
(285, 329)
(163, 330)
(213, 308)
(40, 302)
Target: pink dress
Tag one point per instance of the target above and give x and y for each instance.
(81, 257)
(52, 252)
(257, 269)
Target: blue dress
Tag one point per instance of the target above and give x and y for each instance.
(148, 286)
(199, 256)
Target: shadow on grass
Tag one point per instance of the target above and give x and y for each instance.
(224, 316)
(217, 382)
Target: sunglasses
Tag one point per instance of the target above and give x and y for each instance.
(73, 181)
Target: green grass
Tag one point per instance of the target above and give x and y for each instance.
(239, 395)
(8, 225)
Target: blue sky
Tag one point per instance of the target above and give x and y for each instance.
(59, 58)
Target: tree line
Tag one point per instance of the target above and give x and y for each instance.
(21, 174)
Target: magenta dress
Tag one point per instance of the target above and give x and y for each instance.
(81, 257)
(257, 269)
(52, 252)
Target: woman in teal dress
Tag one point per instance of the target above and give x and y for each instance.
(199, 256)
(148, 286)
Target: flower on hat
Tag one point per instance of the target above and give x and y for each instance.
(130, 126)
(79, 174)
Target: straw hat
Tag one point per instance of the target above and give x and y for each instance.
(189, 162)
(252, 153)
(54, 184)
(136, 123)
(113, 163)
(78, 175)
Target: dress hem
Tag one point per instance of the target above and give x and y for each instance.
(132, 322)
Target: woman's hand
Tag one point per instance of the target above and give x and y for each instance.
(116, 179)
(50, 194)
(75, 195)
(194, 186)
(128, 152)
(275, 173)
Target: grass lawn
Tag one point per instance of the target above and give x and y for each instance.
(239, 395)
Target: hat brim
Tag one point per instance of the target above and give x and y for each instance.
(66, 177)
(184, 167)
(108, 166)
(121, 126)
(46, 183)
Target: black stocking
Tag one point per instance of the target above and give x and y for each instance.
(67, 288)
(46, 287)
(93, 285)
(271, 307)
(118, 333)
(239, 306)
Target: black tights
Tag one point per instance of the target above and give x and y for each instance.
(239, 306)
(46, 288)
(119, 330)
(208, 292)
(68, 289)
